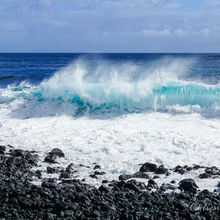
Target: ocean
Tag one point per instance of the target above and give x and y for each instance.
(117, 110)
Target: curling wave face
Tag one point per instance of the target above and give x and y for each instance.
(123, 88)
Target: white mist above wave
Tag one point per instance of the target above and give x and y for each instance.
(116, 88)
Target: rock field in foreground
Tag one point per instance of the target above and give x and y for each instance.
(69, 198)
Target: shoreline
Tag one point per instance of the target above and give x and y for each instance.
(65, 197)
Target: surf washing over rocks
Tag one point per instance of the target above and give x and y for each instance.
(116, 110)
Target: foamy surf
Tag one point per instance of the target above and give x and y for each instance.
(117, 115)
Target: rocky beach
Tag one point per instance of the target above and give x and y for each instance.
(28, 192)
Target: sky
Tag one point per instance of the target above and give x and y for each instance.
(110, 26)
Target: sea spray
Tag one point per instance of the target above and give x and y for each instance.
(120, 88)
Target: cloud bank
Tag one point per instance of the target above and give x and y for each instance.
(109, 26)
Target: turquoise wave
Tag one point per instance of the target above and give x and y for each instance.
(96, 98)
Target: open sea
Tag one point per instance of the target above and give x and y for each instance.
(117, 110)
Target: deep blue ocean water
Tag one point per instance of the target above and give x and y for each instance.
(34, 67)
(112, 82)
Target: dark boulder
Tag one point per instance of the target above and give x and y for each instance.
(50, 159)
(152, 184)
(180, 170)
(51, 170)
(17, 152)
(96, 167)
(188, 185)
(212, 170)
(161, 169)
(103, 189)
(2, 149)
(148, 167)
(141, 175)
(57, 152)
(205, 175)
(99, 173)
(70, 168)
(64, 175)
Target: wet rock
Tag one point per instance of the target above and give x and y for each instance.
(180, 170)
(131, 185)
(48, 184)
(148, 167)
(161, 170)
(56, 152)
(125, 177)
(17, 161)
(50, 159)
(181, 204)
(70, 168)
(103, 189)
(38, 174)
(10, 146)
(93, 176)
(135, 175)
(188, 185)
(205, 176)
(156, 177)
(51, 170)
(168, 186)
(152, 184)
(69, 213)
(196, 167)
(96, 167)
(64, 175)
(17, 153)
(99, 173)
(212, 171)
(2, 149)
(140, 175)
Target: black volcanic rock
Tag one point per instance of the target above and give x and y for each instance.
(64, 175)
(56, 152)
(99, 173)
(51, 170)
(70, 168)
(72, 199)
(188, 185)
(152, 184)
(50, 159)
(2, 149)
(161, 169)
(96, 167)
(141, 175)
(205, 175)
(148, 167)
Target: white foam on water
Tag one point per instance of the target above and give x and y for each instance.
(120, 144)
(181, 135)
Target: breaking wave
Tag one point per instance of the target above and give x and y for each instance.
(123, 88)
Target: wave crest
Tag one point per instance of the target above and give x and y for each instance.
(122, 88)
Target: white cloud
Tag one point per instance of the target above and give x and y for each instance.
(153, 32)
(205, 31)
(106, 25)
(176, 32)
(213, 3)
(180, 31)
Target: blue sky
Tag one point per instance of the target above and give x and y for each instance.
(110, 26)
